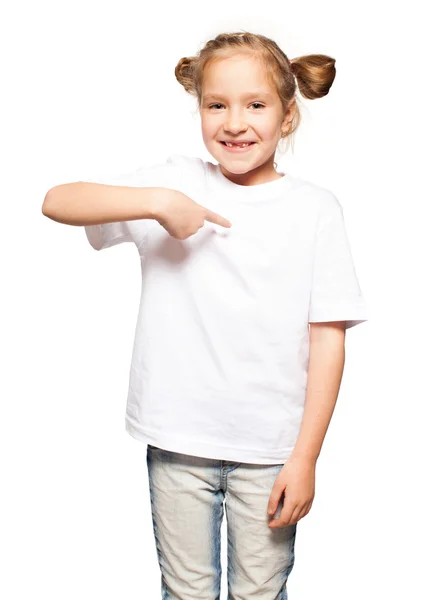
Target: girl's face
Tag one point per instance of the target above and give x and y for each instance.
(239, 104)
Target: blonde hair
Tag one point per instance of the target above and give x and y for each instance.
(314, 73)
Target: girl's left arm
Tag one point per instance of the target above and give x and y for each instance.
(325, 371)
(297, 477)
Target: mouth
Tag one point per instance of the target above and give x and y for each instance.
(237, 148)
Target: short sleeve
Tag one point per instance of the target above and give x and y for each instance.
(335, 291)
(167, 174)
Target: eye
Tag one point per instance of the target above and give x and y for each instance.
(253, 104)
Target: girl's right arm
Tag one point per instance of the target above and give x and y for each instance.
(83, 203)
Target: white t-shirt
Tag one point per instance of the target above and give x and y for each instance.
(220, 357)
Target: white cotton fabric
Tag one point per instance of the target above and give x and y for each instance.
(220, 355)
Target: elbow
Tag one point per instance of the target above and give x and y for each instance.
(60, 204)
(47, 205)
(55, 205)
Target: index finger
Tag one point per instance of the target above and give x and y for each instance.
(214, 217)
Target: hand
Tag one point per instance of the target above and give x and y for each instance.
(181, 216)
(297, 480)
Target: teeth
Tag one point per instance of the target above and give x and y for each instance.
(230, 145)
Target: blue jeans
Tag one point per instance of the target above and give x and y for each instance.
(187, 498)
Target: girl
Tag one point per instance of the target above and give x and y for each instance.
(248, 289)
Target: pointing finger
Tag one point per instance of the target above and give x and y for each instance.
(214, 217)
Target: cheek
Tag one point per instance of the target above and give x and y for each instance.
(271, 136)
(206, 130)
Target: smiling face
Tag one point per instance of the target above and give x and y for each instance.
(239, 104)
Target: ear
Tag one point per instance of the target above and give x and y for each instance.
(289, 114)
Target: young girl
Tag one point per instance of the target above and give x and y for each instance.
(248, 289)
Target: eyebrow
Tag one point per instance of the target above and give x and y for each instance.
(246, 96)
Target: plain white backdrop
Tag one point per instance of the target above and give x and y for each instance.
(89, 89)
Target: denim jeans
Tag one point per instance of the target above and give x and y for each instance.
(187, 496)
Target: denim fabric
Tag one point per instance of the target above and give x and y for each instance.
(188, 495)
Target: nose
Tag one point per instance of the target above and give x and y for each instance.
(234, 123)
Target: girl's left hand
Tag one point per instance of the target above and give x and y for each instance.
(297, 480)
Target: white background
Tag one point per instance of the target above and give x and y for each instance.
(89, 89)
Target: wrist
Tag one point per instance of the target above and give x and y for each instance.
(305, 458)
(153, 202)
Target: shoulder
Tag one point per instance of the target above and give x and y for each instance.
(170, 171)
(323, 197)
(189, 166)
(184, 161)
(321, 201)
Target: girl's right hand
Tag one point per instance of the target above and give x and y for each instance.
(181, 216)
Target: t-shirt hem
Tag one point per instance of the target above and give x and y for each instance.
(205, 449)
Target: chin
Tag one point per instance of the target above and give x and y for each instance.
(241, 170)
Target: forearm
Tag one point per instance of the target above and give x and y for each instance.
(85, 203)
(325, 371)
